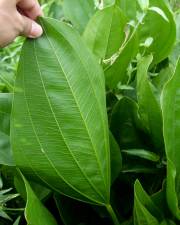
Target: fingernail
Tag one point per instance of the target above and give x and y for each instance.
(41, 12)
(36, 30)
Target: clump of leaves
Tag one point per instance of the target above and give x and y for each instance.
(95, 117)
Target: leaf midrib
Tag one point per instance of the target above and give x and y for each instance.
(102, 116)
(58, 125)
(50, 162)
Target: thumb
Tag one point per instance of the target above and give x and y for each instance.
(30, 28)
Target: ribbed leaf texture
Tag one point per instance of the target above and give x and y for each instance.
(59, 128)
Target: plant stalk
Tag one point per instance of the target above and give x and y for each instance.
(112, 214)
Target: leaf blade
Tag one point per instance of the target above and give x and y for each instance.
(35, 212)
(171, 129)
(62, 96)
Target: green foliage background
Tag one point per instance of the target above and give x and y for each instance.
(143, 191)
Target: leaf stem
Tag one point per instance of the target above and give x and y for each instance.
(112, 214)
(13, 209)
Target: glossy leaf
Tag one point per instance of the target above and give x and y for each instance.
(35, 211)
(149, 106)
(60, 91)
(104, 33)
(171, 129)
(145, 212)
(141, 153)
(78, 12)
(153, 23)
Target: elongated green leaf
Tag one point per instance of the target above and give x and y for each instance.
(35, 212)
(159, 199)
(145, 212)
(6, 157)
(171, 123)
(160, 12)
(17, 221)
(116, 69)
(4, 215)
(62, 122)
(153, 23)
(104, 33)
(141, 153)
(149, 106)
(78, 12)
(175, 53)
(41, 191)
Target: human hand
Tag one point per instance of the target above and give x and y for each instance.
(17, 18)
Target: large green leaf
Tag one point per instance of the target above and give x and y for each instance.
(35, 211)
(145, 211)
(104, 33)
(59, 128)
(171, 128)
(6, 157)
(149, 106)
(162, 31)
(79, 12)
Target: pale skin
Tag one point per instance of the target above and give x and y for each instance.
(17, 18)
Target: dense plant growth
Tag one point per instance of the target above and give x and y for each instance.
(90, 122)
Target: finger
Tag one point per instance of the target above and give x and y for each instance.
(30, 8)
(30, 28)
